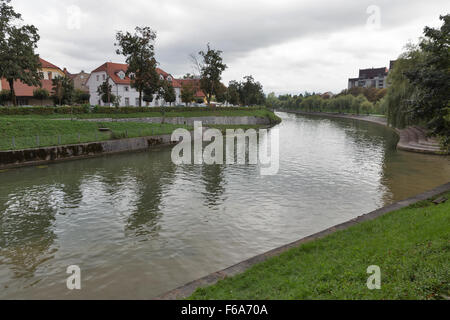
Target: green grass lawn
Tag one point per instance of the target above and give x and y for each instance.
(56, 132)
(187, 114)
(411, 246)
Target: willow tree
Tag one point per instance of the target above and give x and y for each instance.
(402, 93)
(18, 61)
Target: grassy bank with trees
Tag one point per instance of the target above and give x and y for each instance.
(18, 134)
(22, 128)
(411, 246)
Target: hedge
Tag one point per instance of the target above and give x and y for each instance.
(110, 110)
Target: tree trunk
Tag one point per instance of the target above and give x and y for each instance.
(140, 99)
(13, 92)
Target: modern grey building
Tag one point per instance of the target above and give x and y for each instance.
(370, 78)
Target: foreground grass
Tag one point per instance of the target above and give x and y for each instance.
(32, 133)
(411, 246)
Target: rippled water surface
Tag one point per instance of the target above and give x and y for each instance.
(138, 226)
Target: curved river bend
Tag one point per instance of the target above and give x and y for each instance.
(138, 226)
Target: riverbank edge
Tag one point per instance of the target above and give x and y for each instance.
(187, 290)
(40, 156)
(404, 144)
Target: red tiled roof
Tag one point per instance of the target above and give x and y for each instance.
(112, 70)
(23, 90)
(46, 64)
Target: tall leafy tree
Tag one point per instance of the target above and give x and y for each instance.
(63, 90)
(211, 69)
(233, 95)
(138, 48)
(168, 92)
(188, 91)
(18, 61)
(432, 79)
(105, 92)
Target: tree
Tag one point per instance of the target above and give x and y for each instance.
(41, 94)
(251, 92)
(211, 69)
(81, 97)
(138, 48)
(188, 92)
(18, 60)
(233, 93)
(5, 96)
(168, 92)
(431, 77)
(221, 93)
(105, 92)
(62, 90)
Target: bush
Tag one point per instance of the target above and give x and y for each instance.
(109, 110)
(5, 96)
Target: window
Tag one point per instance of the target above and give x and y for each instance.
(98, 78)
(127, 89)
(49, 76)
(137, 102)
(161, 77)
(169, 78)
(104, 77)
(127, 102)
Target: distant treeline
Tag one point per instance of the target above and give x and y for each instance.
(355, 100)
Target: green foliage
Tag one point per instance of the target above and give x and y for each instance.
(188, 91)
(18, 60)
(41, 94)
(168, 92)
(81, 97)
(5, 96)
(211, 69)
(431, 78)
(138, 48)
(63, 90)
(105, 92)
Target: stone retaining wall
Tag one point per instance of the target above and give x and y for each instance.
(18, 158)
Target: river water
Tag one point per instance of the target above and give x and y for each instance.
(138, 225)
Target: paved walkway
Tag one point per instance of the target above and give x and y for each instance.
(413, 139)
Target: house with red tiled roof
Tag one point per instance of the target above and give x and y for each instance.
(121, 85)
(24, 92)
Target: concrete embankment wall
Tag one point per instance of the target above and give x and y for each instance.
(38, 156)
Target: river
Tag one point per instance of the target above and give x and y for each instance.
(138, 225)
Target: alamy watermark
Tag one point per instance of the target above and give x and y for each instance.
(241, 148)
(374, 281)
(374, 20)
(73, 282)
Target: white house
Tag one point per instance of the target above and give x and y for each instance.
(121, 86)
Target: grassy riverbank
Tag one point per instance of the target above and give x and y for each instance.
(263, 113)
(411, 246)
(32, 133)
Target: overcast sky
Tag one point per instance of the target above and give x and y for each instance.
(288, 45)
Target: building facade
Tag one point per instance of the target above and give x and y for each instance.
(79, 80)
(121, 86)
(370, 78)
(24, 93)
